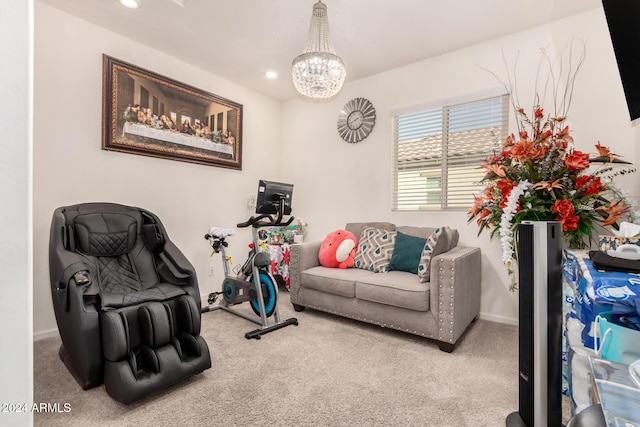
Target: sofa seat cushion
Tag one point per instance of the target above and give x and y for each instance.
(336, 281)
(396, 288)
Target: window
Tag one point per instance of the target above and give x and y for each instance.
(439, 148)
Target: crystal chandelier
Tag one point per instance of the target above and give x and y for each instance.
(318, 72)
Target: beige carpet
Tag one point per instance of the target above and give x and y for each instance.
(327, 371)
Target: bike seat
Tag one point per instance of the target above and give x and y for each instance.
(221, 233)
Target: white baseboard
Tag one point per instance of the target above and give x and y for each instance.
(498, 319)
(37, 336)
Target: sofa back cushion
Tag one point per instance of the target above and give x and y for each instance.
(422, 232)
(358, 227)
(451, 237)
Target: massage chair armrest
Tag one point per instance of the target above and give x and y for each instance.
(303, 256)
(70, 273)
(174, 267)
(178, 259)
(455, 290)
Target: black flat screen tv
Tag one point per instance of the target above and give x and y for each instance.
(270, 194)
(623, 19)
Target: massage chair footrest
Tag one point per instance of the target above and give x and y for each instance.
(151, 346)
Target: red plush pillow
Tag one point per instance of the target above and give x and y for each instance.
(338, 249)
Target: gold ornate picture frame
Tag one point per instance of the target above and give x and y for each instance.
(151, 115)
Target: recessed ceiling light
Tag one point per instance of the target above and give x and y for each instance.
(131, 4)
(271, 74)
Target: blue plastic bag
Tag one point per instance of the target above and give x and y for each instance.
(617, 343)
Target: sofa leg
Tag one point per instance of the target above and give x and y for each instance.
(446, 347)
(298, 307)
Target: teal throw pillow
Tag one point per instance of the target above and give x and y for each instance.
(407, 253)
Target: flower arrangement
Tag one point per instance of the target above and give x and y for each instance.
(539, 176)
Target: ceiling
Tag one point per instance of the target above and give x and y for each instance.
(241, 40)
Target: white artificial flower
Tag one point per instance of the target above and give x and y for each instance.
(506, 228)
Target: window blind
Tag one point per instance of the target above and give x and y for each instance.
(438, 152)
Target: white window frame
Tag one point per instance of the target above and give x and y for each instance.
(408, 201)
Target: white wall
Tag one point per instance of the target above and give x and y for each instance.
(70, 167)
(337, 182)
(16, 340)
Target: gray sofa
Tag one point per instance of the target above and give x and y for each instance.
(440, 309)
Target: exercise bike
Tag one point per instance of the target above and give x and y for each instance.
(242, 286)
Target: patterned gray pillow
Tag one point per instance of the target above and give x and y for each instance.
(375, 248)
(440, 241)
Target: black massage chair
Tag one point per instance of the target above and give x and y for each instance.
(126, 301)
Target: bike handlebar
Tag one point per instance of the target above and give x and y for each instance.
(257, 222)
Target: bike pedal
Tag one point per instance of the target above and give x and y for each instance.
(213, 296)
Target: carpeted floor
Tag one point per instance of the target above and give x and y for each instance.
(327, 371)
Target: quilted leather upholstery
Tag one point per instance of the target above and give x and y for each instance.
(116, 274)
(106, 234)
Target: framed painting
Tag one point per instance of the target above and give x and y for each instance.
(151, 115)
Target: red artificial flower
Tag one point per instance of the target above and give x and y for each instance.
(615, 211)
(485, 213)
(563, 138)
(605, 152)
(588, 185)
(477, 206)
(538, 113)
(577, 161)
(544, 137)
(549, 186)
(523, 150)
(496, 169)
(570, 223)
(508, 142)
(541, 151)
(488, 193)
(505, 186)
(564, 208)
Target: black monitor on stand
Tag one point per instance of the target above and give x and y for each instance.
(274, 198)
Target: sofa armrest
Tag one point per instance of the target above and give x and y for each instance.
(303, 256)
(455, 291)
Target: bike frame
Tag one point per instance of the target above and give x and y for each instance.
(255, 273)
